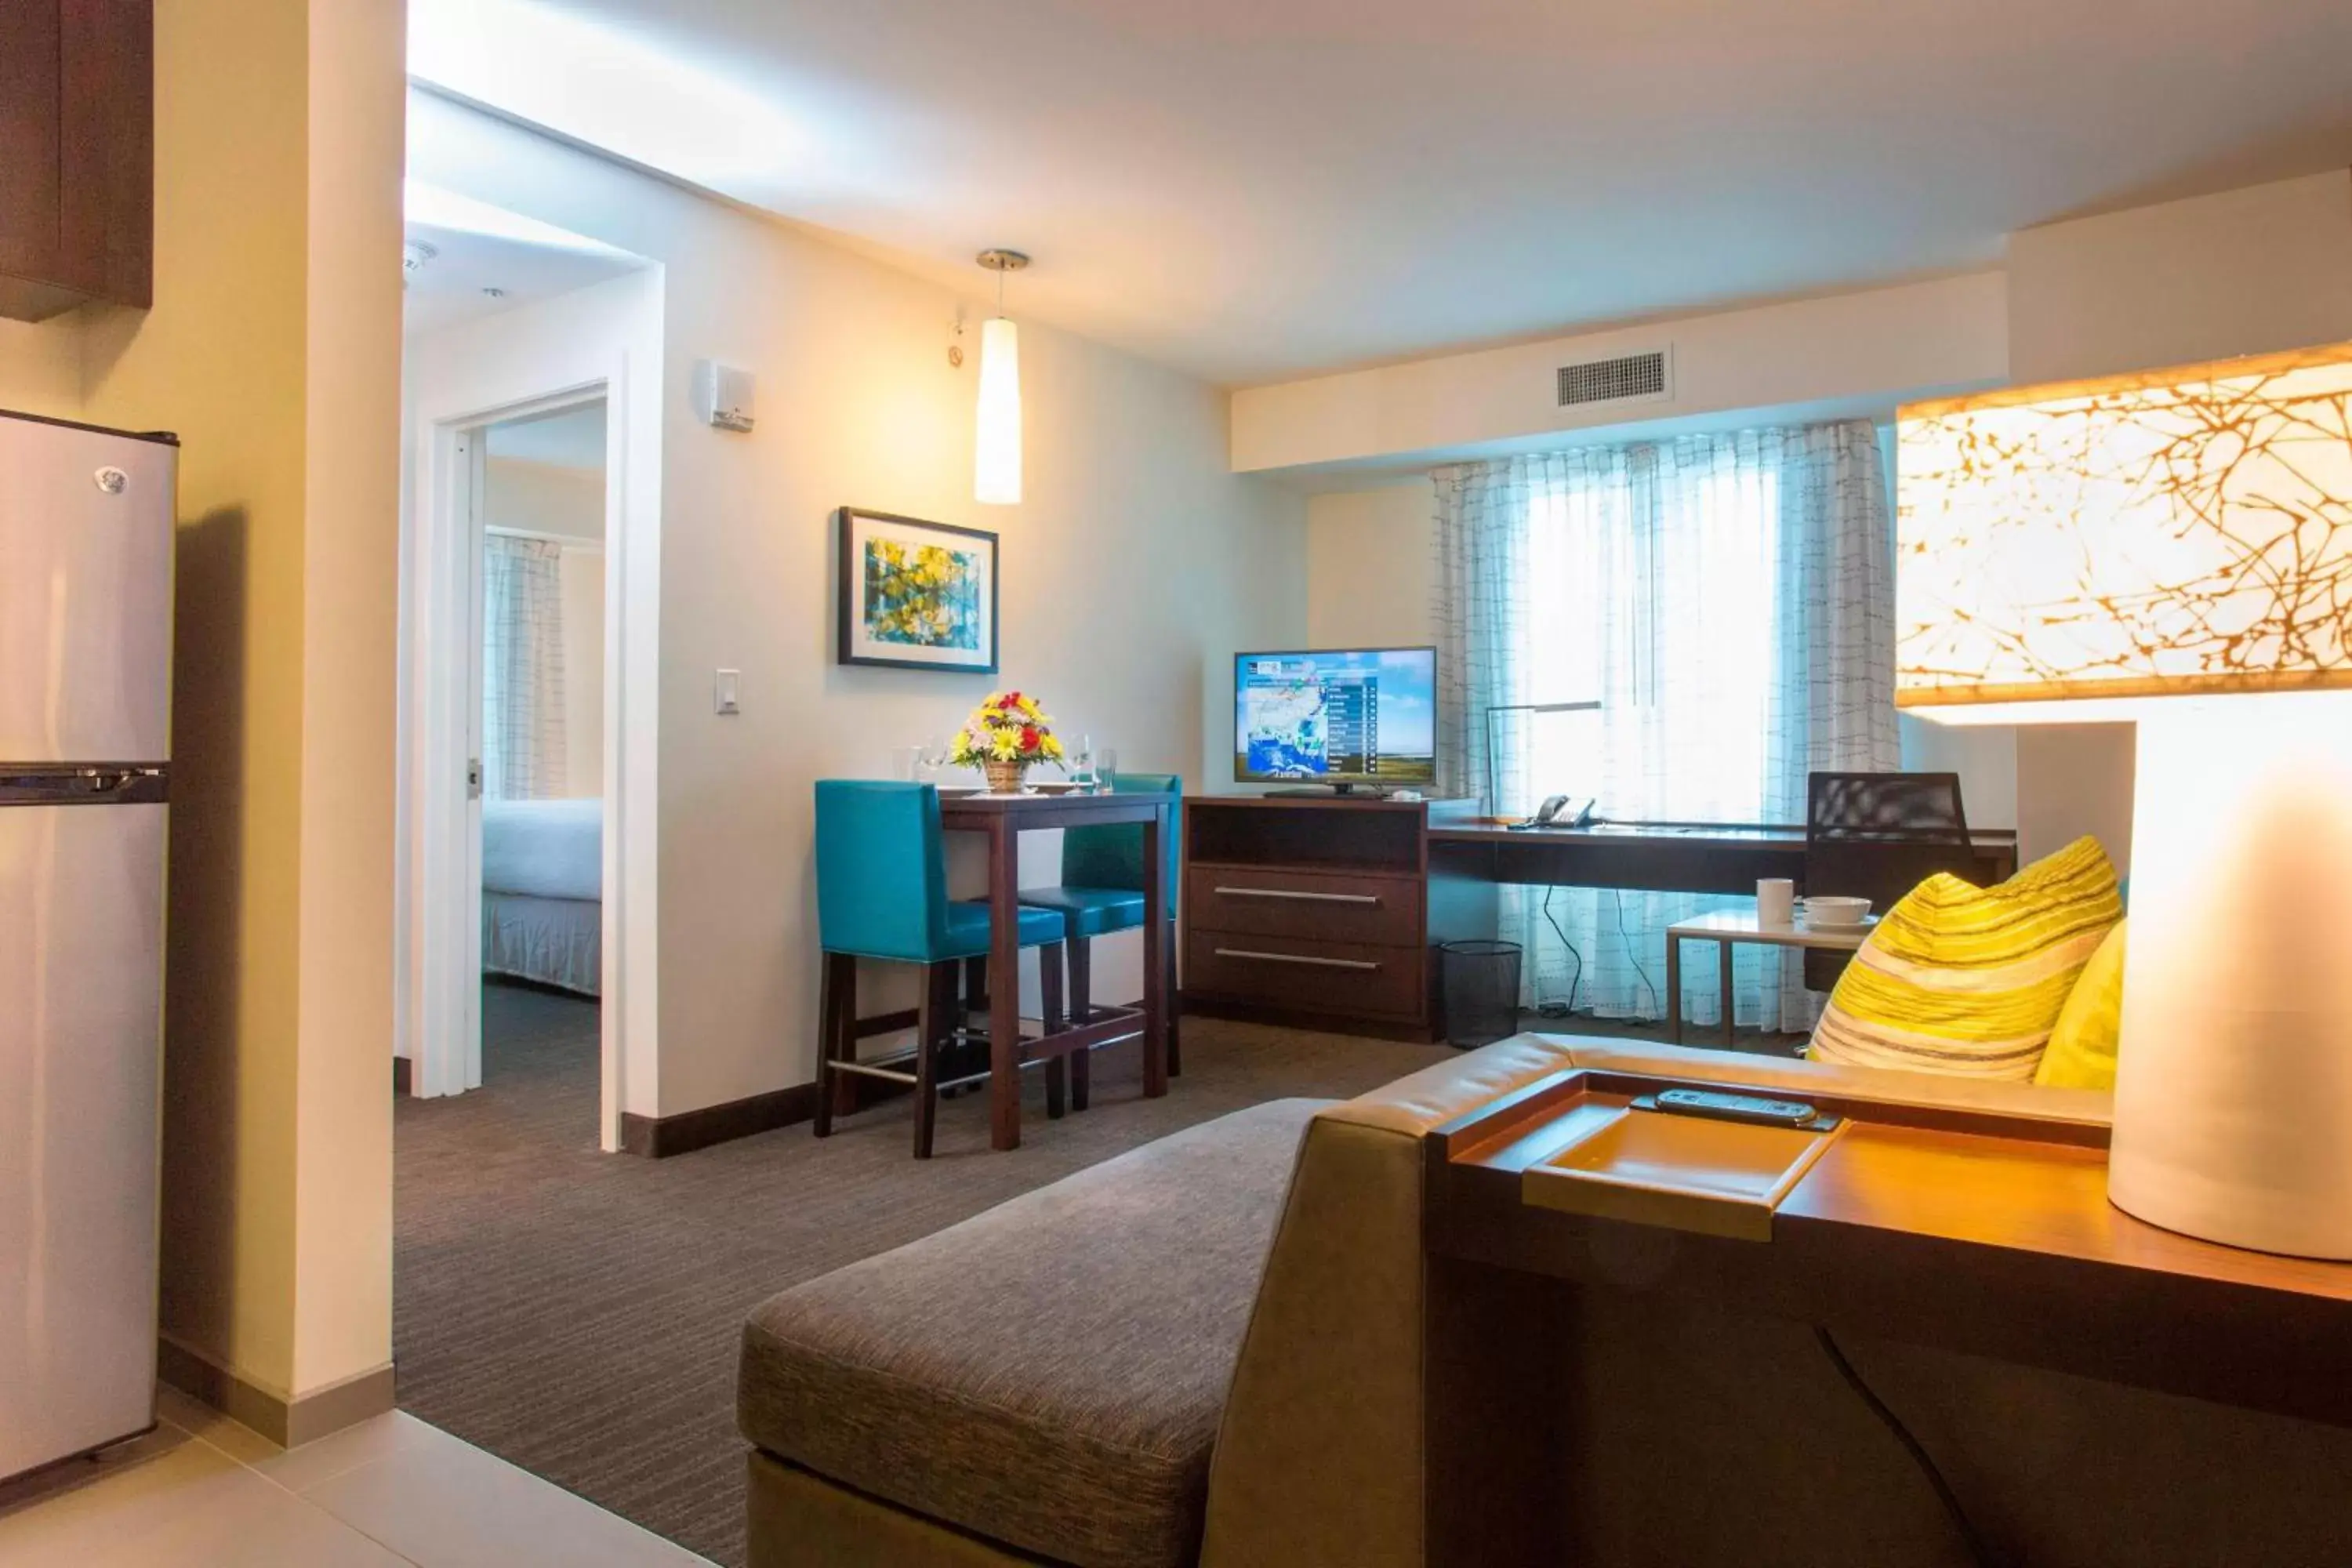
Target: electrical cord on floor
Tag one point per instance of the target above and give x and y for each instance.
(1575, 980)
(1979, 1552)
(1626, 937)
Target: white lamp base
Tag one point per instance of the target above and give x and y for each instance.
(2234, 1092)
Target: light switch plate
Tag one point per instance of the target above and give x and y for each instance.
(730, 692)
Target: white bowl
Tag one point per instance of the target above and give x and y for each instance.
(1840, 913)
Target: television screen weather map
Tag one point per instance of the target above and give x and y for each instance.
(1366, 717)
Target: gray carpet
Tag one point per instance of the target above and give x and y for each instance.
(576, 1313)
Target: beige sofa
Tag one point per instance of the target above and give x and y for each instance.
(1213, 1349)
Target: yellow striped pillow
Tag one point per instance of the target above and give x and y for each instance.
(1967, 980)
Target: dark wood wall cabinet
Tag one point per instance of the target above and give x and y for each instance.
(77, 154)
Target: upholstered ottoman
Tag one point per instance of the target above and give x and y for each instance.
(1042, 1383)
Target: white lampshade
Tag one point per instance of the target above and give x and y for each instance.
(2184, 533)
(2176, 547)
(997, 462)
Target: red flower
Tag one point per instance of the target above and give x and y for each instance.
(1028, 737)
(1012, 698)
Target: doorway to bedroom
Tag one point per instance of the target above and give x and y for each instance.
(532, 428)
(540, 651)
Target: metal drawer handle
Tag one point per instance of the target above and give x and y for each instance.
(1296, 958)
(1304, 897)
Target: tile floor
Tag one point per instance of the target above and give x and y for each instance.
(202, 1490)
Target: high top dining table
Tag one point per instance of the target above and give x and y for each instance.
(1001, 819)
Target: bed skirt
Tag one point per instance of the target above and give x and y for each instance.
(555, 942)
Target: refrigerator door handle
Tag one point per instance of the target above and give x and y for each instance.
(119, 784)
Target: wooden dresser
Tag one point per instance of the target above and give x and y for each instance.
(1313, 913)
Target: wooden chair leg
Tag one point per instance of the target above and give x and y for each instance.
(975, 983)
(1082, 995)
(845, 1033)
(1049, 985)
(828, 1031)
(1174, 1009)
(930, 1027)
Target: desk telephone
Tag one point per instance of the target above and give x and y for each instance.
(1562, 811)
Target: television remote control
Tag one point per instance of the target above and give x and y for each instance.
(1747, 1107)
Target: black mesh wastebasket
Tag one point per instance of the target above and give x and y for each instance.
(1481, 982)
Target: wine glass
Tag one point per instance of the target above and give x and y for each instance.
(1079, 765)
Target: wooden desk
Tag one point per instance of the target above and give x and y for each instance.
(1324, 912)
(1977, 1232)
(1653, 857)
(1001, 819)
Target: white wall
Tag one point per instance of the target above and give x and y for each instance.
(2242, 272)
(1371, 566)
(1842, 355)
(532, 497)
(1136, 566)
(1984, 756)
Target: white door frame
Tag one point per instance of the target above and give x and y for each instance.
(443, 985)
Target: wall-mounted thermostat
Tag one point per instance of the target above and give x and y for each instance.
(722, 396)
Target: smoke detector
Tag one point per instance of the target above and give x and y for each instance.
(412, 257)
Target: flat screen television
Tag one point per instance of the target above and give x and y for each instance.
(1348, 718)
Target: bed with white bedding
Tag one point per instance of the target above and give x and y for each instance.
(542, 891)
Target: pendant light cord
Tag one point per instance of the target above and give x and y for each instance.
(1979, 1552)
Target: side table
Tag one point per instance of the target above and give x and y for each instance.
(1728, 929)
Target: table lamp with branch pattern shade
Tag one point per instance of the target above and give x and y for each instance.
(2176, 548)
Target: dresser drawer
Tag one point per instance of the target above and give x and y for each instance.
(1305, 976)
(1316, 905)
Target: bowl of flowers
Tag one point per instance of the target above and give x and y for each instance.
(1006, 735)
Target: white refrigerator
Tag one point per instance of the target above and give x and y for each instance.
(86, 539)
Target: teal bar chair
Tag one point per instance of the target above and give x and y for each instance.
(1102, 892)
(882, 894)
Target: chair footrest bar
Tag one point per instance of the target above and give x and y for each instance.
(869, 1069)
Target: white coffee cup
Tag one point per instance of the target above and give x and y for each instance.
(1776, 901)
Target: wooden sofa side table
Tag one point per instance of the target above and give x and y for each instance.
(1728, 929)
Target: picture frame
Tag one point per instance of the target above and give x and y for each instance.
(914, 595)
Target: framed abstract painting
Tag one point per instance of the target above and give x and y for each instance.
(916, 595)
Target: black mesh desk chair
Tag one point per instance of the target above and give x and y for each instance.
(1877, 837)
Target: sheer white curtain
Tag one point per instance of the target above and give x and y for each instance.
(1728, 600)
(522, 668)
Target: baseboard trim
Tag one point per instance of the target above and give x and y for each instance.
(289, 1423)
(660, 1137)
(400, 1078)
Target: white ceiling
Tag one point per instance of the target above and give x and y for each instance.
(487, 260)
(1252, 189)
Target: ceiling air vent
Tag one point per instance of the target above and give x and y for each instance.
(1628, 377)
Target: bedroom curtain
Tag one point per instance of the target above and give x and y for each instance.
(522, 668)
(1728, 600)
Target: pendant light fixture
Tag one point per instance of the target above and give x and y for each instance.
(996, 451)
